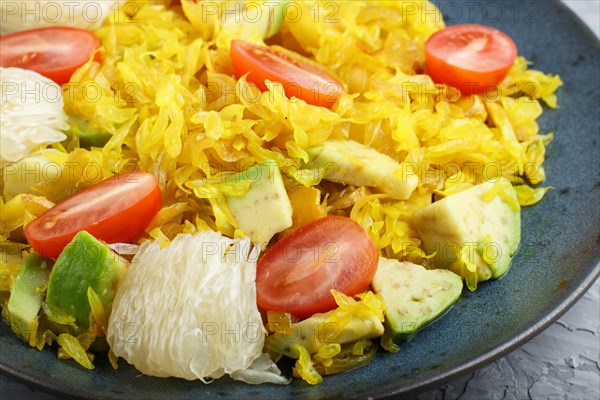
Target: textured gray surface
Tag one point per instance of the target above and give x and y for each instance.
(588, 11)
(561, 363)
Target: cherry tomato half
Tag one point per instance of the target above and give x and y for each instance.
(471, 57)
(299, 79)
(298, 272)
(116, 210)
(55, 52)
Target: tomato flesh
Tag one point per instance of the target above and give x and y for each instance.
(298, 272)
(299, 79)
(116, 210)
(54, 52)
(473, 58)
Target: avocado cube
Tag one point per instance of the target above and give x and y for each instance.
(413, 295)
(85, 262)
(265, 209)
(351, 163)
(89, 134)
(475, 232)
(305, 333)
(26, 297)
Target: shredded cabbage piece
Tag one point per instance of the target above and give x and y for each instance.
(10, 264)
(170, 102)
(531, 83)
(304, 367)
(279, 322)
(97, 308)
(8, 274)
(370, 304)
(358, 349)
(505, 190)
(113, 359)
(73, 348)
(19, 211)
(158, 235)
(58, 316)
(528, 196)
(326, 353)
(82, 168)
(329, 333)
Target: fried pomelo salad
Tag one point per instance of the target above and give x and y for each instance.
(204, 187)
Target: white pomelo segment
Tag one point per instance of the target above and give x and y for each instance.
(189, 310)
(31, 113)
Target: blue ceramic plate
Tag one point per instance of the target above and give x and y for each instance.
(558, 259)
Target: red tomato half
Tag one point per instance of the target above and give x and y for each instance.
(473, 58)
(116, 210)
(298, 272)
(299, 79)
(55, 52)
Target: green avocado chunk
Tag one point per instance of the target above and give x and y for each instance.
(351, 163)
(305, 333)
(27, 294)
(475, 232)
(276, 17)
(254, 18)
(85, 262)
(265, 209)
(89, 134)
(413, 295)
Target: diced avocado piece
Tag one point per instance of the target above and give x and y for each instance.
(474, 233)
(85, 262)
(24, 175)
(265, 209)
(276, 16)
(305, 333)
(413, 295)
(89, 134)
(351, 163)
(27, 294)
(254, 20)
(348, 359)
